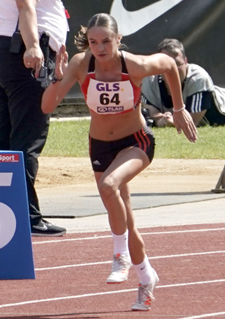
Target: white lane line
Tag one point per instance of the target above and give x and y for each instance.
(192, 283)
(150, 258)
(109, 236)
(207, 315)
(185, 231)
(190, 254)
(70, 239)
(107, 293)
(63, 298)
(74, 265)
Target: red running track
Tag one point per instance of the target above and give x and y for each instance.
(71, 272)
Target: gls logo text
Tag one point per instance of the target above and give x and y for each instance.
(7, 216)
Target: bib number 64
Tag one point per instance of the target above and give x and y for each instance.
(105, 100)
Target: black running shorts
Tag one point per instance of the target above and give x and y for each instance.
(102, 153)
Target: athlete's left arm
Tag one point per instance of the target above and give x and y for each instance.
(142, 66)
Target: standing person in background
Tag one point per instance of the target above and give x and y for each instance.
(204, 101)
(23, 127)
(121, 145)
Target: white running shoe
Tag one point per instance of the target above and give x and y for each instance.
(145, 295)
(120, 269)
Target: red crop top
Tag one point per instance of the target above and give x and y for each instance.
(110, 97)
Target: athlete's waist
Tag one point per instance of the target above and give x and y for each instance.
(114, 127)
(144, 128)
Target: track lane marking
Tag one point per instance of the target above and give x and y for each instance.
(150, 258)
(108, 293)
(207, 315)
(109, 236)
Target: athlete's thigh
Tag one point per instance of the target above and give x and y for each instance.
(126, 166)
(98, 176)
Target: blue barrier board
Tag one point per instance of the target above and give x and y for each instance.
(16, 255)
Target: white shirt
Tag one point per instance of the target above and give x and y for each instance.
(50, 15)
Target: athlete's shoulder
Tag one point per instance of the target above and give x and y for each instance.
(79, 62)
(133, 58)
(135, 65)
(78, 66)
(81, 57)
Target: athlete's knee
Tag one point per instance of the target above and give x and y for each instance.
(107, 187)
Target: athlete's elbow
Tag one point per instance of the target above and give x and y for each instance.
(170, 64)
(46, 108)
(45, 111)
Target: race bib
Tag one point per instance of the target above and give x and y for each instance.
(110, 97)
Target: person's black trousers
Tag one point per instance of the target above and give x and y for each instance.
(23, 126)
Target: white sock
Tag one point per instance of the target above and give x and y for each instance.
(121, 244)
(144, 271)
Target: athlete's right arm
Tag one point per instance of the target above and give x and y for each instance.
(55, 92)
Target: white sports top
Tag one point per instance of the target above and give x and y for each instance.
(50, 15)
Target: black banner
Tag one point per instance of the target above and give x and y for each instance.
(198, 24)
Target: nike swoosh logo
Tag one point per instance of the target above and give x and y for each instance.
(131, 21)
(44, 227)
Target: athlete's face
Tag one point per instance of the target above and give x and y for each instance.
(103, 42)
(181, 63)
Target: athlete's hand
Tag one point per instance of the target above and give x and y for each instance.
(183, 122)
(61, 62)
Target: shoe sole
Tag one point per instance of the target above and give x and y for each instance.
(115, 282)
(111, 281)
(141, 309)
(47, 235)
